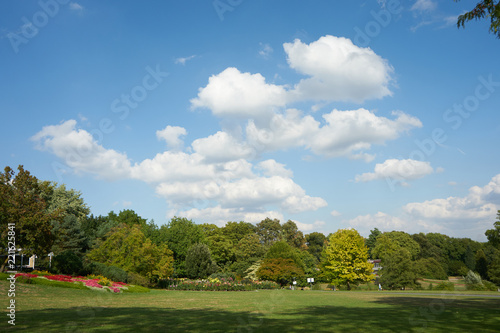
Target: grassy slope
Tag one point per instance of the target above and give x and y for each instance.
(50, 309)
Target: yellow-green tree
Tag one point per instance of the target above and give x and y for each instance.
(345, 259)
(128, 248)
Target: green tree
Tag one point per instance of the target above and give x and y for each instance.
(345, 259)
(390, 242)
(315, 242)
(249, 247)
(235, 231)
(292, 235)
(69, 236)
(222, 249)
(481, 264)
(269, 231)
(371, 241)
(283, 250)
(399, 271)
(22, 204)
(181, 234)
(493, 235)
(430, 268)
(67, 201)
(484, 9)
(199, 262)
(128, 248)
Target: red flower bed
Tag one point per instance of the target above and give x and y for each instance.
(62, 278)
(26, 275)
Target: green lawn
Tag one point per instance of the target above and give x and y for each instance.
(51, 309)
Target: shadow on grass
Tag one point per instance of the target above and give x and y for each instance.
(391, 314)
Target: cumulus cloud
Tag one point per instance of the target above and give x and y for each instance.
(187, 179)
(219, 215)
(394, 169)
(338, 70)
(453, 216)
(171, 135)
(239, 95)
(349, 132)
(222, 146)
(307, 227)
(80, 151)
(273, 168)
(481, 202)
(346, 133)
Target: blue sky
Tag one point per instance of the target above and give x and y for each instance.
(332, 114)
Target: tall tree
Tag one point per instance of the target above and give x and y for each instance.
(390, 242)
(22, 204)
(199, 262)
(181, 234)
(345, 259)
(315, 242)
(371, 241)
(399, 270)
(493, 235)
(128, 248)
(269, 231)
(292, 235)
(484, 9)
(235, 231)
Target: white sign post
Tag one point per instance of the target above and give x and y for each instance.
(310, 281)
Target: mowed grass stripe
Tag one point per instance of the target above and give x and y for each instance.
(51, 309)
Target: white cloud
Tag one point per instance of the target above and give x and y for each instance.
(305, 227)
(481, 202)
(335, 213)
(338, 70)
(379, 220)
(182, 61)
(171, 135)
(395, 169)
(220, 216)
(272, 168)
(347, 133)
(424, 5)
(221, 147)
(78, 149)
(239, 95)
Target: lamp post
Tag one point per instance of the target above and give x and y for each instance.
(22, 255)
(51, 254)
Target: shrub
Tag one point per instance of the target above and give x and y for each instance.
(134, 278)
(68, 262)
(490, 286)
(111, 272)
(445, 286)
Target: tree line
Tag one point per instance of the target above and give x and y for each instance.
(50, 218)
